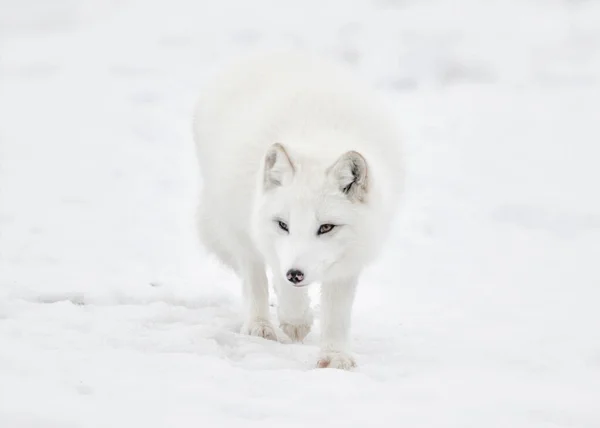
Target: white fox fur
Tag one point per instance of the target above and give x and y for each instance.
(289, 141)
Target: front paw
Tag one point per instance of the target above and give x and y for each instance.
(336, 360)
(260, 328)
(296, 332)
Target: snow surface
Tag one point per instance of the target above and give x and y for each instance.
(483, 312)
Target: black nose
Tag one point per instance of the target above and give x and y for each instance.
(294, 276)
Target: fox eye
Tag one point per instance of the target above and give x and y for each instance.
(283, 226)
(325, 228)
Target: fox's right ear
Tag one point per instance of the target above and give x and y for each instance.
(278, 168)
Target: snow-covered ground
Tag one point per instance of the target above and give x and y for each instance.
(484, 310)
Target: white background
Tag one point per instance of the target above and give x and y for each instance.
(483, 311)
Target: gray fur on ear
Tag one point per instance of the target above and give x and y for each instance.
(278, 168)
(350, 173)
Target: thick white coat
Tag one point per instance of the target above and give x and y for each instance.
(316, 112)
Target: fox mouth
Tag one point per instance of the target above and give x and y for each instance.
(300, 285)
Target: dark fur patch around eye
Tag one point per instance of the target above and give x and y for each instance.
(325, 228)
(283, 225)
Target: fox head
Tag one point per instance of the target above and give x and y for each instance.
(311, 220)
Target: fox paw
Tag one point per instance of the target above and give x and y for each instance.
(296, 332)
(259, 328)
(336, 360)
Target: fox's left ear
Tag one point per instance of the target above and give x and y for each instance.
(350, 174)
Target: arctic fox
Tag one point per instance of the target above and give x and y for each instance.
(301, 173)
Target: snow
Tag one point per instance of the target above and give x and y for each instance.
(483, 310)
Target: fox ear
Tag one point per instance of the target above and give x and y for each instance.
(278, 168)
(350, 174)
